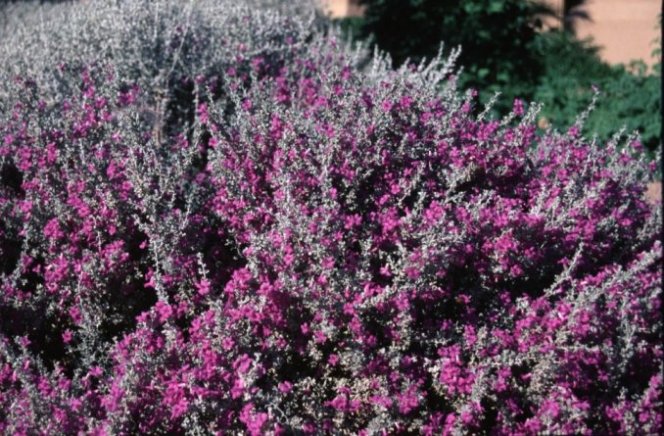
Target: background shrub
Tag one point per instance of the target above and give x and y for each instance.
(629, 96)
(315, 248)
(505, 49)
(498, 39)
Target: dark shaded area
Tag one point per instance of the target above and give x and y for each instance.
(10, 250)
(497, 37)
(11, 179)
(44, 333)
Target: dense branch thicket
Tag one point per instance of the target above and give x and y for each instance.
(216, 218)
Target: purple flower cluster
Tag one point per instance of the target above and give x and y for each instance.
(320, 249)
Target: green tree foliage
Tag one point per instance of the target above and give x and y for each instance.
(505, 49)
(628, 96)
(497, 37)
(572, 13)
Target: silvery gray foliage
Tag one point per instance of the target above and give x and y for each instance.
(153, 44)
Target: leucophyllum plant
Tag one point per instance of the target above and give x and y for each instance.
(321, 245)
(449, 273)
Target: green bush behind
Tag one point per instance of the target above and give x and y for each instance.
(506, 50)
(629, 95)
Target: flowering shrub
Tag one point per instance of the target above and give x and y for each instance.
(316, 248)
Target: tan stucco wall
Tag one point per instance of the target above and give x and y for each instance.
(342, 8)
(625, 29)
